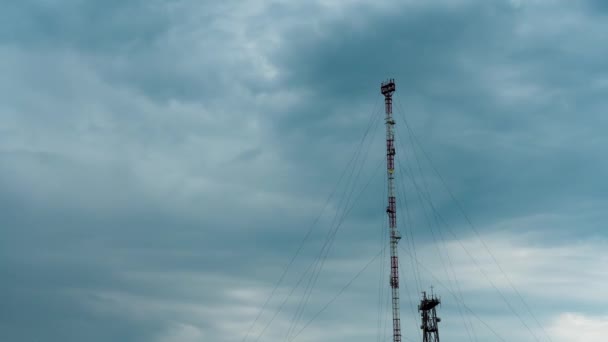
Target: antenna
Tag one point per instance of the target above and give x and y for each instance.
(428, 313)
(387, 89)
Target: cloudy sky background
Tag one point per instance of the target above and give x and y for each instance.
(161, 162)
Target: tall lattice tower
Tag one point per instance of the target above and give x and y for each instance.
(387, 89)
(428, 312)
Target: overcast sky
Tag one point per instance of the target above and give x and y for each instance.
(162, 161)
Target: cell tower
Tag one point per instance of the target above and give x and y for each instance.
(429, 327)
(387, 89)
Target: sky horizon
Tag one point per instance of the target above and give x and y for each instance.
(162, 161)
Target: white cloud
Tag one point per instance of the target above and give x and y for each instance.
(576, 327)
(539, 270)
(571, 275)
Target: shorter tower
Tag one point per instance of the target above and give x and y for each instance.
(430, 330)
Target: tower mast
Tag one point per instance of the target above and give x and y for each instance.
(387, 89)
(429, 327)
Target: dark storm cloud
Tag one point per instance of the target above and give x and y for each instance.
(598, 6)
(420, 47)
(445, 60)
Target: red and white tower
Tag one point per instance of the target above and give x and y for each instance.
(388, 88)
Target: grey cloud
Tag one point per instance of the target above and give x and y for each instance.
(140, 140)
(434, 54)
(88, 27)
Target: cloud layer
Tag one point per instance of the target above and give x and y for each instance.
(160, 163)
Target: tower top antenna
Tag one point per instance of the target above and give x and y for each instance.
(388, 87)
(428, 313)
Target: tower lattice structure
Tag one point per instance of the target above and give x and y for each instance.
(428, 313)
(387, 89)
